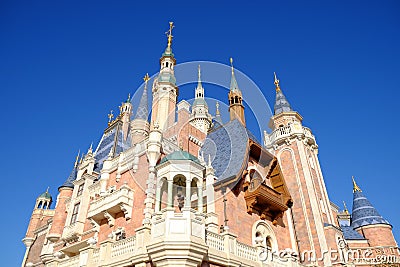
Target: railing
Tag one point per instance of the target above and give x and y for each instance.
(70, 262)
(122, 247)
(215, 241)
(95, 255)
(246, 251)
(112, 202)
(94, 189)
(286, 131)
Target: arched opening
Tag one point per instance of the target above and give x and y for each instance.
(39, 206)
(179, 189)
(236, 99)
(264, 235)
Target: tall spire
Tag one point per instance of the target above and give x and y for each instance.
(143, 109)
(355, 186)
(199, 92)
(281, 103)
(234, 85)
(364, 213)
(199, 77)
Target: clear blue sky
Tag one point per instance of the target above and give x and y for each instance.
(65, 64)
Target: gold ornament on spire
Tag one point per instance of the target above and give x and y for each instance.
(345, 208)
(217, 108)
(355, 186)
(169, 33)
(110, 117)
(276, 82)
(231, 60)
(146, 78)
(77, 159)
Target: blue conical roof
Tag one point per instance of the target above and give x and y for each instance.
(363, 212)
(143, 108)
(281, 103)
(68, 183)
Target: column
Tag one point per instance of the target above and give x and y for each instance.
(188, 195)
(200, 198)
(170, 197)
(158, 196)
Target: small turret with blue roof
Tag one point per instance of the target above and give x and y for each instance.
(364, 213)
(281, 103)
(72, 176)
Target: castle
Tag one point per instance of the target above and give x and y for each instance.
(185, 188)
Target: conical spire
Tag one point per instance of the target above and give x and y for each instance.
(217, 113)
(234, 85)
(281, 104)
(143, 108)
(363, 212)
(199, 92)
(72, 176)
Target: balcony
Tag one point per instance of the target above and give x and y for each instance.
(107, 206)
(283, 133)
(264, 201)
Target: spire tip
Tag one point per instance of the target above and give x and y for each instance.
(356, 188)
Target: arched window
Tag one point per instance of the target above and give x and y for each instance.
(264, 235)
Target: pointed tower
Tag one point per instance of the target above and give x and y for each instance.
(140, 126)
(295, 147)
(236, 108)
(39, 218)
(125, 115)
(165, 91)
(366, 220)
(200, 118)
(65, 193)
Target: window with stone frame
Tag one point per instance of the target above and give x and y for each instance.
(80, 190)
(75, 213)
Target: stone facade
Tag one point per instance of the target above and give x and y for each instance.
(174, 191)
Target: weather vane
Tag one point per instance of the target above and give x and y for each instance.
(110, 116)
(169, 33)
(276, 82)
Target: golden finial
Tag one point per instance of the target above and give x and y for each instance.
(169, 33)
(110, 116)
(129, 98)
(276, 82)
(231, 60)
(345, 208)
(355, 186)
(77, 158)
(217, 108)
(146, 78)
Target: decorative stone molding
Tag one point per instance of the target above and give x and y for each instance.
(110, 219)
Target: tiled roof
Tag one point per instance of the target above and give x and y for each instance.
(350, 234)
(364, 213)
(109, 140)
(68, 183)
(180, 155)
(281, 104)
(227, 146)
(143, 108)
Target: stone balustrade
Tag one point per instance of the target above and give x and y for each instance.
(111, 204)
(280, 134)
